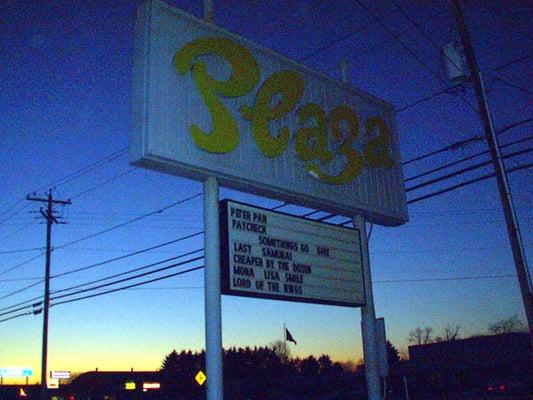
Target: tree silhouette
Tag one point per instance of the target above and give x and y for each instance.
(393, 356)
(255, 373)
(170, 363)
(420, 335)
(507, 325)
(325, 365)
(451, 333)
(309, 367)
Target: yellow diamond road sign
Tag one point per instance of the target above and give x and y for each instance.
(200, 378)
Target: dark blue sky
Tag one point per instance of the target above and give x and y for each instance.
(65, 69)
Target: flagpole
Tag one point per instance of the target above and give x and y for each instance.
(284, 337)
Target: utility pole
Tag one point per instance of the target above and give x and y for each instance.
(50, 220)
(503, 185)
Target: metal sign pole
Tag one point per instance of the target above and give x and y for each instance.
(368, 313)
(213, 316)
(368, 316)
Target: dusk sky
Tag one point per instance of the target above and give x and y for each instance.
(65, 103)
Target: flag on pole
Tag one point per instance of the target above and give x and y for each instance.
(289, 337)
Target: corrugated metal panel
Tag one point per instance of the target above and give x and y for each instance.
(165, 104)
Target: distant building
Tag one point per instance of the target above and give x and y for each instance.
(116, 385)
(498, 363)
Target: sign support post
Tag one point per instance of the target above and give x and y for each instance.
(368, 313)
(213, 315)
(368, 316)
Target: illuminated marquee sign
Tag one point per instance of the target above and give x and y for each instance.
(151, 386)
(15, 372)
(276, 256)
(52, 383)
(60, 374)
(206, 101)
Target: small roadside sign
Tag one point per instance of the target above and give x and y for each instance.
(200, 378)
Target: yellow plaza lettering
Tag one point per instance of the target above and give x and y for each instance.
(275, 99)
(290, 86)
(311, 142)
(245, 75)
(377, 149)
(354, 162)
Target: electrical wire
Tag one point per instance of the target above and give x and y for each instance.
(455, 278)
(411, 52)
(19, 309)
(467, 169)
(165, 268)
(506, 82)
(41, 297)
(20, 250)
(17, 316)
(182, 238)
(462, 184)
(104, 183)
(21, 290)
(98, 264)
(16, 212)
(26, 304)
(450, 89)
(336, 41)
(129, 286)
(82, 171)
(436, 169)
(380, 44)
(172, 205)
(21, 264)
(418, 28)
(132, 271)
(507, 64)
(461, 143)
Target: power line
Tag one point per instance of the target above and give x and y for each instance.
(130, 221)
(465, 159)
(70, 177)
(424, 99)
(20, 250)
(105, 231)
(25, 304)
(19, 315)
(21, 279)
(455, 278)
(507, 64)
(461, 143)
(336, 41)
(14, 232)
(467, 169)
(84, 170)
(17, 211)
(134, 270)
(440, 250)
(20, 308)
(380, 44)
(506, 82)
(408, 50)
(21, 290)
(104, 182)
(171, 266)
(41, 298)
(462, 184)
(182, 238)
(129, 286)
(450, 89)
(417, 27)
(22, 263)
